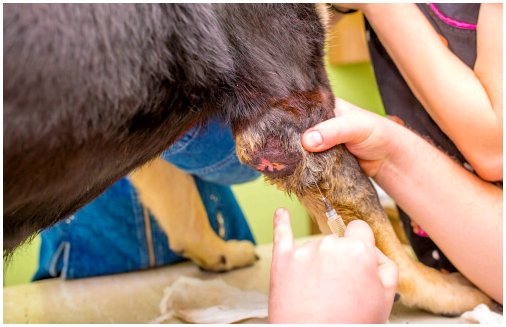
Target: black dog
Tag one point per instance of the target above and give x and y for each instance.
(93, 91)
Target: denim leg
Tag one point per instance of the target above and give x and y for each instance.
(209, 153)
(109, 235)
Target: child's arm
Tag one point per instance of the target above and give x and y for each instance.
(466, 104)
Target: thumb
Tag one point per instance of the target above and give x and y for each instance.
(350, 127)
(283, 236)
(388, 273)
(360, 229)
(322, 136)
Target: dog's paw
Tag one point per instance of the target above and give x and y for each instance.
(470, 298)
(225, 256)
(443, 294)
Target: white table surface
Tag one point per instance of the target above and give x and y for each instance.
(134, 297)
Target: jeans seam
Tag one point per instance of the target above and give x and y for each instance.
(176, 148)
(213, 168)
(54, 260)
(160, 247)
(137, 214)
(66, 255)
(149, 236)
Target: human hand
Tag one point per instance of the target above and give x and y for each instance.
(368, 136)
(332, 280)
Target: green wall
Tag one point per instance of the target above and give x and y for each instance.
(356, 84)
(23, 263)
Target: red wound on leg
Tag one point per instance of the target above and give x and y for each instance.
(273, 160)
(270, 166)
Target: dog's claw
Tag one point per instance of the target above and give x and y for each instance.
(224, 255)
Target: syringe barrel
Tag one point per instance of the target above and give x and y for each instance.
(337, 225)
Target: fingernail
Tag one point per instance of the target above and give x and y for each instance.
(314, 139)
(280, 211)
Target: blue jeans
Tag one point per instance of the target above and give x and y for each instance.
(112, 234)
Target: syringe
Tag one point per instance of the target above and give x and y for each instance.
(334, 220)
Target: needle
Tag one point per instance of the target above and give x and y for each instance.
(319, 190)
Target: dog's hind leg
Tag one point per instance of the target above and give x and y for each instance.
(354, 197)
(172, 196)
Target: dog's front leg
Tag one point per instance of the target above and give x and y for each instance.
(172, 196)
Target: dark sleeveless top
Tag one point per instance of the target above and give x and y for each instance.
(457, 24)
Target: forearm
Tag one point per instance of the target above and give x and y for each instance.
(460, 212)
(450, 91)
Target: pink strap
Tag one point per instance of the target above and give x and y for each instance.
(451, 21)
(421, 232)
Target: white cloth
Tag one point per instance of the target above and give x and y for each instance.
(210, 302)
(481, 314)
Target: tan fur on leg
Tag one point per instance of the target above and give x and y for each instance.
(172, 196)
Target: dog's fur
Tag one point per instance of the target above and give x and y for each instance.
(93, 91)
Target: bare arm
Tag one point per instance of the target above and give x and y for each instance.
(461, 213)
(466, 104)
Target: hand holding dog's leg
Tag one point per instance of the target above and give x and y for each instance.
(366, 135)
(333, 280)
